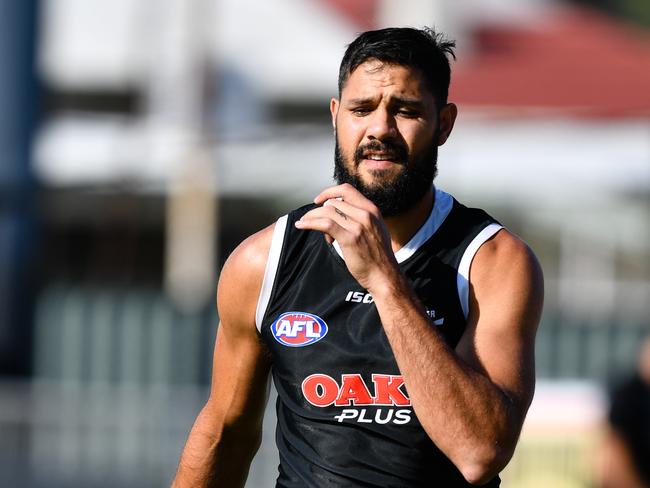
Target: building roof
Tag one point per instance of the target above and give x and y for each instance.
(574, 61)
(362, 13)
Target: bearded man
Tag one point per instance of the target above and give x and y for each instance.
(397, 324)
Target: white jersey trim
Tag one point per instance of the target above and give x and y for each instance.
(442, 205)
(270, 271)
(462, 279)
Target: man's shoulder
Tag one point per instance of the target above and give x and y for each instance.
(505, 258)
(459, 224)
(250, 256)
(507, 247)
(242, 275)
(470, 214)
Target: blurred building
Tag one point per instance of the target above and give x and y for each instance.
(171, 129)
(552, 135)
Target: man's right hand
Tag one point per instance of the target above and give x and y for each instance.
(357, 225)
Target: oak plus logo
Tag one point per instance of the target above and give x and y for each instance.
(298, 329)
(322, 391)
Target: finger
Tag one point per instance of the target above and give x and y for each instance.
(349, 194)
(357, 214)
(330, 212)
(325, 213)
(326, 225)
(344, 192)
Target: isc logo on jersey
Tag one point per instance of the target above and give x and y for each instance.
(298, 329)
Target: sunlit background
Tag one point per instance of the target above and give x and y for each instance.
(142, 140)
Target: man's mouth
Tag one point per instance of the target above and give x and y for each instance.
(379, 161)
(380, 157)
(377, 156)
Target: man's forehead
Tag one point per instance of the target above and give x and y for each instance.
(373, 74)
(376, 67)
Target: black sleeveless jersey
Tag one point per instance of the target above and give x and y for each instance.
(344, 415)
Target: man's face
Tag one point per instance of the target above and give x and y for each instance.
(387, 135)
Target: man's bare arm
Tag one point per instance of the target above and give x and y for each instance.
(227, 432)
(471, 401)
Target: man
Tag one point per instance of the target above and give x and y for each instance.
(398, 323)
(625, 451)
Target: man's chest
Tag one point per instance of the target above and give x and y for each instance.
(324, 319)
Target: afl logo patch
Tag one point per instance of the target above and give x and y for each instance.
(298, 329)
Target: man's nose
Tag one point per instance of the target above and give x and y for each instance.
(382, 125)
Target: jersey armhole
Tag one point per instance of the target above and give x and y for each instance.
(270, 271)
(462, 278)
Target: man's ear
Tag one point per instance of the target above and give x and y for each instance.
(446, 120)
(334, 110)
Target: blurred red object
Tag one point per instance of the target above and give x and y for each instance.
(573, 61)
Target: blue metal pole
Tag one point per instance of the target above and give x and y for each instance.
(18, 114)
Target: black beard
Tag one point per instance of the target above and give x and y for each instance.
(399, 195)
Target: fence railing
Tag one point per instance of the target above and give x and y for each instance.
(116, 336)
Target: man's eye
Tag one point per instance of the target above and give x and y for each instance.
(409, 113)
(360, 111)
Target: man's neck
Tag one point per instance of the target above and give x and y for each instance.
(404, 226)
